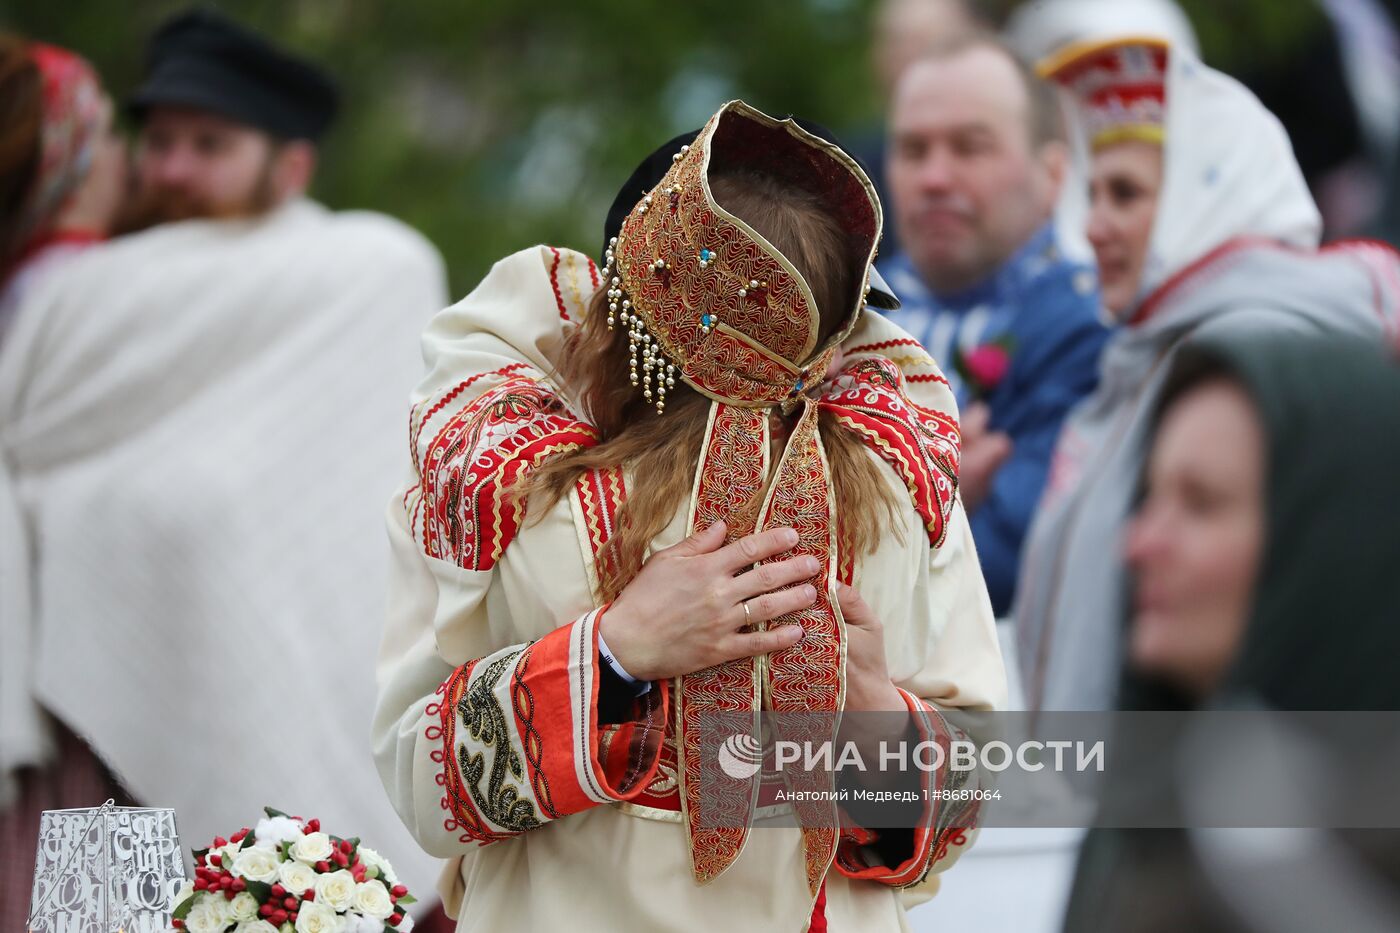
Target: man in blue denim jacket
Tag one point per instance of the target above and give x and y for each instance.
(976, 158)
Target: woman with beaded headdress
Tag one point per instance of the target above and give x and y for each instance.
(697, 482)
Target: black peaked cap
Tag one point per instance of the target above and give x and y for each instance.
(203, 59)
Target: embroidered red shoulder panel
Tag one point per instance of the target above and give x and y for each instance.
(477, 453)
(923, 445)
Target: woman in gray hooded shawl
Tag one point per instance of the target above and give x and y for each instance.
(1202, 225)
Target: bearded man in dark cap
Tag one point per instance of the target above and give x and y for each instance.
(228, 123)
(192, 462)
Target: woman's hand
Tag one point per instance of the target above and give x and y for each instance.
(870, 690)
(868, 684)
(685, 610)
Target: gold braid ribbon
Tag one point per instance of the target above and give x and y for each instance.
(806, 677)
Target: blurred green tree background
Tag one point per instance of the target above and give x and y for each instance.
(490, 125)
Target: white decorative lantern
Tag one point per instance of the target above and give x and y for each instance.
(106, 869)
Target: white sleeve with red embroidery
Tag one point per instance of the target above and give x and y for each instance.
(486, 724)
(502, 744)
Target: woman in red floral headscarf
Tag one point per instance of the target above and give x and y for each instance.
(62, 170)
(62, 177)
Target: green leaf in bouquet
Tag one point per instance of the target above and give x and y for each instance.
(182, 909)
(259, 889)
(273, 814)
(407, 899)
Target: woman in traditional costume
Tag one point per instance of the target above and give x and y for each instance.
(1201, 224)
(696, 482)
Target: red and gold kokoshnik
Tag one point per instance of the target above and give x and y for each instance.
(706, 297)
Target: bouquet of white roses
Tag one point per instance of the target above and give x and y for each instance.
(286, 876)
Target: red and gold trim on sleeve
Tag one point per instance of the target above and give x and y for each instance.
(922, 444)
(476, 449)
(944, 824)
(520, 743)
(572, 282)
(598, 496)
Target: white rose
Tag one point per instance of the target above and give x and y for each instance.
(296, 877)
(336, 890)
(312, 848)
(205, 918)
(255, 926)
(219, 908)
(256, 864)
(316, 918)
(374, 861)
(372, 900)
(277, 829)
(244, 906)
(227, 909)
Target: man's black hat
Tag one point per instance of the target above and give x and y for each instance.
(647, 175)
(204, 60)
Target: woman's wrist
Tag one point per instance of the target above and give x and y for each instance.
(615, 628)
(608, 657)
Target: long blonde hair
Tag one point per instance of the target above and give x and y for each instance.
(661, 451)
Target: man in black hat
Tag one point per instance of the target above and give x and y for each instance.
(229, 123)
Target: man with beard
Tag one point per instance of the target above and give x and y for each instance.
(192, 425)
(228, 124)
(975, 160)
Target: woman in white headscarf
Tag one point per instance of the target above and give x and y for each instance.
(1037, 30)
(1202, 225)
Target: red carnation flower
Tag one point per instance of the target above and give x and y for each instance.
(988, 364)
(983, 367)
